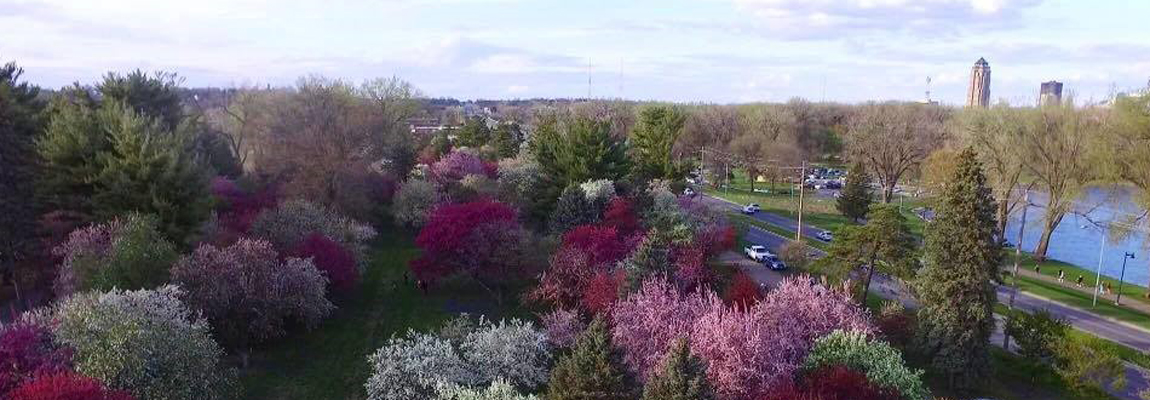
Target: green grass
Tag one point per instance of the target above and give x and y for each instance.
(1077, 299)
(330, 362)
(1130, 292)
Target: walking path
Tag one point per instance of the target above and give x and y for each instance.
(1068, 283)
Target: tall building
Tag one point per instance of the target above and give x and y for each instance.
(1050, 93)
(978, 95)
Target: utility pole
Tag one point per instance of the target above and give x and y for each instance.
(802, 176)
(1101, 254)
(1014, 281)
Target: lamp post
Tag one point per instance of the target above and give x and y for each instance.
(1122, 277)
(1098, 274)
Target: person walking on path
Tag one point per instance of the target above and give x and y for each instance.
(1109, 287)
(1079, 281)
(1061, 276)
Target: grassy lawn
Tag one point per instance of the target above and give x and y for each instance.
(1130, 292)
(1083, 301)
(330, 362)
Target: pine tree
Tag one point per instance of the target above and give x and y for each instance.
(20, 122)
(592, 371)
(955, 287)
(855, 199)
(652, 140)
(682, 376)
(884, 244)
(506, 140)
(474, 133)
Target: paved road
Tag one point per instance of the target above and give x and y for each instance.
(766, 217)
(892, 289)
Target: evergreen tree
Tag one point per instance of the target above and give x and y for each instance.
(855, 198)
(955, 287)
(592, 371)
(151, 96)
(20, 122)
(652, 140)
(884, 244)
(506, 140)
(106, 157)
(573, 152)
(573, 209)
(682, 376)
(474, 133)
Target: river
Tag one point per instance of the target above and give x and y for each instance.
(1077, 239)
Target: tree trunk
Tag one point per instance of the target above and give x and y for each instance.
(1003, 216)
(887, 192)
(1048, 225)
(869, 276)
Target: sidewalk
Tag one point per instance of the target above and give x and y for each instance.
(1086, 289)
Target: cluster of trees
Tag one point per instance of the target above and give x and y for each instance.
(171, 235)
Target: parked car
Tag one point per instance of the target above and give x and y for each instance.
(774, 263)
(757, 253)
(825, 236)
(751, 208)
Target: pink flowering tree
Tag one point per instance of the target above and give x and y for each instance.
(458, 164)
(649, 321)
(248, 294)
(586, 251)
(563, 326)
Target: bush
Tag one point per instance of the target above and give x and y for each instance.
(895, 325)
(249, 295)
(882, 364)
(571, 210)
(290, 223)
(67, 386)
(145, 342)
(127, 253)
(744, 292)
(620, 215)
(1087, 363)
(336, 262)
(794, 254)
(414, 200)
(414, 365)
(1036, 333)
(838, 382)
(28, 351)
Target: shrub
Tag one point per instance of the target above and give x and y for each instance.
(414, 200)
(127, 253)
(456, 165)
(743, 292)
(518, 180)
(1036, 333)
(838, 382)
(477, 187)
(67, 386)
(794, 253)
(571, 210)
(893, 322)
(412, 366)
(249, 295)
(620, 215)
(881, 363)
(27, 350)
(598, 192)
(336, 262)
(145, 342)
(1088, 363)
(292, 221)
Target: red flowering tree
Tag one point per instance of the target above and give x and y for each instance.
(841, 383)
(238, 207)
(603, 244)
(586, 252)
(649, 321)
(621, 216)
(336, 262)
(691, 270)
(26, 351)
(481, 239)
(743, 292)
(67, 386)
(602, 291)
(564, 282)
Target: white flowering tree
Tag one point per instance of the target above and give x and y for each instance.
(421, 365)
(499, 389)
(145, 342)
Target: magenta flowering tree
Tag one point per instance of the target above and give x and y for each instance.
(248, 294)
(649, 321)
(458, 164)
(27, 350)
(482, 240)
(336, 262)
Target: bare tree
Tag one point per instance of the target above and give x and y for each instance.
(891, 139)
(994, 134)
(1053, 149)
(245, 121)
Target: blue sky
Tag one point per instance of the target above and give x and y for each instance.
(691, 51)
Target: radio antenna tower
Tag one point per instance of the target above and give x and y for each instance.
(928, 90)
(588, 78)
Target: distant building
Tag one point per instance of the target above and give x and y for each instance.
(978, 95)
(1050, 93)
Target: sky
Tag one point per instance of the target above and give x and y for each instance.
(714, 51)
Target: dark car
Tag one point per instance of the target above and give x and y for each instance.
(774, 263)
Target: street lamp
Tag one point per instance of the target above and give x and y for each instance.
(1122, 277)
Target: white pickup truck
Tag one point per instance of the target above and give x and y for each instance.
(757, 253)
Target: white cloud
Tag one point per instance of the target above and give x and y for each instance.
(819, 18)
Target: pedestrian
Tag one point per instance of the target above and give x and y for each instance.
(1061, 276)
(1109, 287)
(1037, 271)
(1079, 282)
